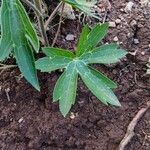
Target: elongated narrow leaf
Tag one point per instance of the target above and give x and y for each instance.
(97, 87)
(57, 52)
(25, 61)
(103, 78)
(58, 89)
(96, 35)
(22, 48)
(30, 31)
(83, 37)
(48, 64)
(5, 42)
(65, 89)
(106, 54)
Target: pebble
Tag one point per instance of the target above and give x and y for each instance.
(70, 37)
(115, 39)
(133, 23)
(136, 41)
(128, 7)
(112, 24)
(118, 21)
(21, 119)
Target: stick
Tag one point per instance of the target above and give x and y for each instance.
(32, 6)
(41, 22)
(52, 15)
(130, 130)
(59, 26)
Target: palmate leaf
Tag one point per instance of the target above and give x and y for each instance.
(78, 63)
(18, 35)
(85, 6)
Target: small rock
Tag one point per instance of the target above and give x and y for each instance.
(136, 41)
(115, 39)
(72, 115)
(143, 53)
(70, 37)
(118, 21)
(112, 24)
(68, 12)
(133, 23)
(128, 7)
(20, 120)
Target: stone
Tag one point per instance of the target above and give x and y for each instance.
(115, 39)
(112, 24)
(136, 41)
(129, 7)
(70, 37)
(118, 21)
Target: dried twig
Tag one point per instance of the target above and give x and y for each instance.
(59, 26)
(28, 3)
(52, 15)
(130, 130)
(41, 22)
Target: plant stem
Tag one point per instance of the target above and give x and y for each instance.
(52, 15)
(41, 22)
(59, 26)
(28, 3)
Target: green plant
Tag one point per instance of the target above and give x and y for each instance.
(19, 36)
(78, 64)
(87, 6)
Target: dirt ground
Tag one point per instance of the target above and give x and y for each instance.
(29, 120)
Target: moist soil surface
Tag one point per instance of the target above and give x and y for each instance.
(29, 119)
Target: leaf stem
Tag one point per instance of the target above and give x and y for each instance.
(41, 22)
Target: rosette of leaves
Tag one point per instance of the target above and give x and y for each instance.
(18, 36)
(79, 64)
(84, 5)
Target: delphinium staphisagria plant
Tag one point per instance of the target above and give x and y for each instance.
(18, 35)
(78, 64)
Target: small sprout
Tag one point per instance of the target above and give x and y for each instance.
(78, 64)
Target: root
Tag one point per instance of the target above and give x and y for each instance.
(130, 130)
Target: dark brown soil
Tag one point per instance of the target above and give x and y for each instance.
(27, 122)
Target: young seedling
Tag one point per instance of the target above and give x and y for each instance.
(79, 64)
(19, 36)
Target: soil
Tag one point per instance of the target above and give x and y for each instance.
(29, 119)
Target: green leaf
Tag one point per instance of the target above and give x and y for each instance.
(105, 54)
(48, 64)
(5, 42)
(96, 35)
(30, 31)
(103, 78)
(86, 53)
(57, 52)
(15, 28)
(83, 37)
(97, 87)
(25, 61)
(85, 6)
(58, 89)
(65, 89)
